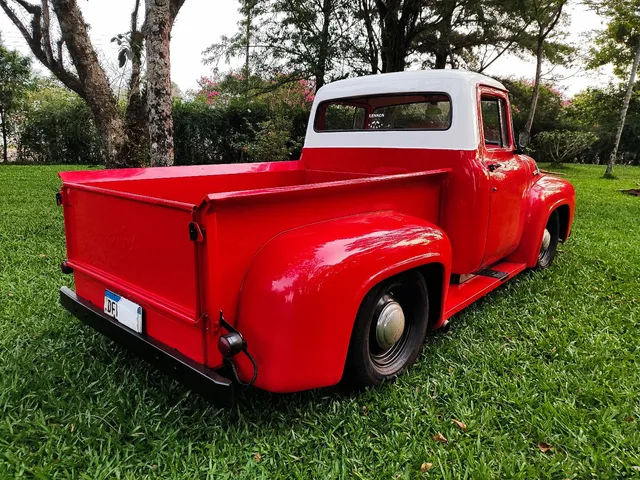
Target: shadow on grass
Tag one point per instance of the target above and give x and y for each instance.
(103, 375)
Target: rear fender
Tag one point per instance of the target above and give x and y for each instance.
(545, 196)
(302, 292)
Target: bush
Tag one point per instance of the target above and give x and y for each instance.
(548, 111)
(58, 128)
(204, 134)
(597, 110)
(558, 146)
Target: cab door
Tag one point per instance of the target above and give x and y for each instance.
(509, 175)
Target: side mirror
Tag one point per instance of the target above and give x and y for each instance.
(521, 143)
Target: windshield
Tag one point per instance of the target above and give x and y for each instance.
(429, 111)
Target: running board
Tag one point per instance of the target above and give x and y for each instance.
(484, 281)
(487, 272)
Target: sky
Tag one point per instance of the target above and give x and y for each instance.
(201, 23)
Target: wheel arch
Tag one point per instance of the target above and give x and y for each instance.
(547, 195)
(435, 276)
(301, 294)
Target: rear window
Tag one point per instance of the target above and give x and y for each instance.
(429, 111)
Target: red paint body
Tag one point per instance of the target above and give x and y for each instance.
(290, 249)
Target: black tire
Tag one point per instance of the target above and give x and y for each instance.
(368, 364)
(546, 255)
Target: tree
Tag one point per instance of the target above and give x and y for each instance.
(136, 116)
(549, 107)
(470, 33)
(399, 24)
(562, 145)
(75, 63)
(597, 110)
(295, 39)
(545, 16)
(619, 43)
(15, 80)
(160, 16)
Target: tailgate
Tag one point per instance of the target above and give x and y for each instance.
(137, 247)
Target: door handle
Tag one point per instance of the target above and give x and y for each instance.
(494, 166)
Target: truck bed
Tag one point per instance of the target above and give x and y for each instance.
(129, 231)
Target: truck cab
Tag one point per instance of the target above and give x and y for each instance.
(412, 121)
(410, 201)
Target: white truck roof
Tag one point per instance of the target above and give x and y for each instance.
(405, 82)
(459, 85)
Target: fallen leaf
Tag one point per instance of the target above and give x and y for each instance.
(257, 457)
(72, 428)
(425, 467)
(438, 437)
(461, 425)
(544, 447)
(629, 419)
(553, 350)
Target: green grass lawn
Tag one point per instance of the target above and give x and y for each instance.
(551, 357)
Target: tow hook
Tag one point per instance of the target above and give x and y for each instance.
(230, 345)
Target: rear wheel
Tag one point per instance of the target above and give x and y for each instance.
(549, 245)
(389, 330)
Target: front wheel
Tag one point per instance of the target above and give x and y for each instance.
(389, 330)
(549, 245)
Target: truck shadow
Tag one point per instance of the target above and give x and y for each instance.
(254, 408)
(259, 408)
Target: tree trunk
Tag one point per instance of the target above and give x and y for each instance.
(136, 119)
(397, 31)
(536, 84)
(247, 53)
(441, 60)
(95, 86)
(159, 100)
(623, 112)
(321, 69)
(4, 135)
(391, 36)
(371, 39)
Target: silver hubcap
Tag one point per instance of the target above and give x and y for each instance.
(546, 240)
(390, 325)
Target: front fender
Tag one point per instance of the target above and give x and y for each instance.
(545, 196)
(302, 291)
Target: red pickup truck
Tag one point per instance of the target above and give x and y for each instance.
(411, 200)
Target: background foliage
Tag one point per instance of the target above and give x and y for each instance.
(216, 124)
(218, 127)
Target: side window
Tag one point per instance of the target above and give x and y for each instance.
(344, 117)
(494, 121)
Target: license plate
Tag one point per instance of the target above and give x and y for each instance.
(124, 311)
